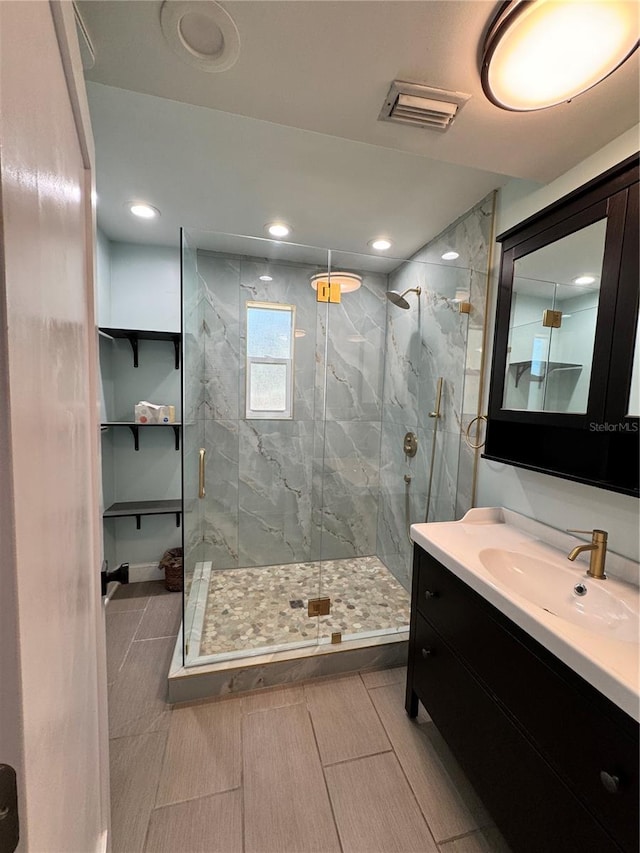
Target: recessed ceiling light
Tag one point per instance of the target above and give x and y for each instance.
(380, 244)
(450, 256)
(543, 53)
(266, 278)
(584, 279)
(143, 210)
(278, 229)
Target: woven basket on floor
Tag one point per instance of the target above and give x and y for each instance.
(171, 562)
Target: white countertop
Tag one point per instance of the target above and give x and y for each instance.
(610, 665)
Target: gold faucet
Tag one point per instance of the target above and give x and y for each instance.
(598, 548)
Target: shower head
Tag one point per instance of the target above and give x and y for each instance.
(398, 298)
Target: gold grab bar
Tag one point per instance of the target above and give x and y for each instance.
(466, 436)
(201, 489)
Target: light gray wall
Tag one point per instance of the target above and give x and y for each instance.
(145, 287)
(103, 269)
(548, 499)
(138, 288)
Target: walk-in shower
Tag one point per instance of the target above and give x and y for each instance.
(295, 412)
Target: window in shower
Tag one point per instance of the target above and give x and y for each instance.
(269, 392)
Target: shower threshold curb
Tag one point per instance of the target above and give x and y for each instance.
(187, 684)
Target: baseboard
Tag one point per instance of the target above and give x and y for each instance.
(139, 572)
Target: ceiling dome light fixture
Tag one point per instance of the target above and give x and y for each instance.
(539, 53)
(584, 279)
(348, 281)
(265, 277)
(201, 33)
(450, 256)
(380, 244)
(143, 210)
(278, 229)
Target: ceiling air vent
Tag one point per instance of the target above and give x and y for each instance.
(422, 106)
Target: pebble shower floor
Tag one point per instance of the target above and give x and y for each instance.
(267, 605)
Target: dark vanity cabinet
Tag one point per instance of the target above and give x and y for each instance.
(554, 761)
(565, 380)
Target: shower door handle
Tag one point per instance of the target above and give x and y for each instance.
(201, 473)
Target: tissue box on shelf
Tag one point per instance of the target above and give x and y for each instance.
(151, 413)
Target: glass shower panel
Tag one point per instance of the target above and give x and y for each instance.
(385, 357)
(192, 439)
(260, 363)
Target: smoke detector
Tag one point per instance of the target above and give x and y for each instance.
(421, 106)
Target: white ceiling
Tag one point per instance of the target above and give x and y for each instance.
(291, 130)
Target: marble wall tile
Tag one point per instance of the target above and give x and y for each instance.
(349, 526)
(193, 348)
(392, 541)
(400, 504)
(221, 277)
(402, 360)
(477, 297)
(445, 470)
(275, 465)
(192, 441)
(275, 491)
(273, 538)
(220, 506)
(355, 352)
(351, 458)
(442, 354)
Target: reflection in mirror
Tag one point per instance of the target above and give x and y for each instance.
(634, 395)
(554, 307)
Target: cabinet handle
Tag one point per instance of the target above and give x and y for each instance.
(610, 782)
(201, 473)
(428, 594)
(426, 653)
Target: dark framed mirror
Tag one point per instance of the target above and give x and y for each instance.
(565, 395)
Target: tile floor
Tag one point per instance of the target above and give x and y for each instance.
(251, 608)
(332, 765)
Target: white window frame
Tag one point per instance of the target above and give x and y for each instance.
(270, 414)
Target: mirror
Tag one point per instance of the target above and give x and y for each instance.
(552, 326)
(565, 378)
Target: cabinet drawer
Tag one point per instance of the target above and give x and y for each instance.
(580, 732)
(531, 805)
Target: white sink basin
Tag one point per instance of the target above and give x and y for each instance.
(551, 587)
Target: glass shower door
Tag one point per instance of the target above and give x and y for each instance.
(193, 461)
(254, 362)
(352, 576)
